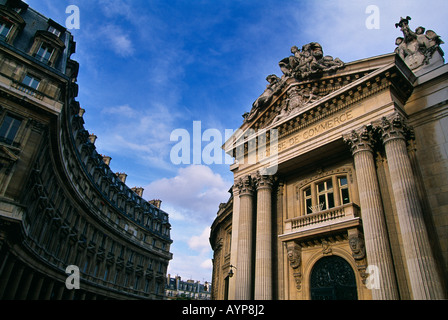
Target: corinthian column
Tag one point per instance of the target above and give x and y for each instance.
(263, 251)
(375, 232)
(243, 286)
(423, 275)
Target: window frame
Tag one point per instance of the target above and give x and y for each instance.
(5, 139)
(335, 190)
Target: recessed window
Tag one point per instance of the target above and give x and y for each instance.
(5, 28)
(44, 53)
(31, 81)
(9, 128)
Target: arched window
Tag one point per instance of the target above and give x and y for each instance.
(324, 194)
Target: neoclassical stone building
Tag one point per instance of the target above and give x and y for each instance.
(60, 203)
(341, 180)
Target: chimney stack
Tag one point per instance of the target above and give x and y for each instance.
(107, 160)
(157, 203)
(138, 190)
(92, 138)
(122, 176)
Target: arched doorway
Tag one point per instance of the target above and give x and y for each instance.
(332, 278)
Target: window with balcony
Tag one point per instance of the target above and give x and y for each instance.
(9, 128)
(31, 81)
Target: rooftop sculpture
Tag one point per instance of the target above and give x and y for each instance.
(417, 47)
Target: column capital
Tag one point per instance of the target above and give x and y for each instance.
(393, 127)
(360, 139)
(245, 185)
(262, 181)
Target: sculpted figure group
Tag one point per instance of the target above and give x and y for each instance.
(417, 47)
(310, 60)
(301, 65)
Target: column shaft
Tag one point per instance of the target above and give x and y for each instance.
(375, 232)
(424, 278)
(243, 287)
(263, 243)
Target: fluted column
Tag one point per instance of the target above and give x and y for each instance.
(243, 286)
(423, 275)
(375, 232)
(263, 243)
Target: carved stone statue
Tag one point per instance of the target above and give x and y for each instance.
(265, 97)
(417, 48)
(310, 60)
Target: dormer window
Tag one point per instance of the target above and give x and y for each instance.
(54, 31)
(5, 28)
(10, 24)
(47, 47)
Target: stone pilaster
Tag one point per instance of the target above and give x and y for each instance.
(375, 233)
(423, 275)
(243, 284)
(263, 253)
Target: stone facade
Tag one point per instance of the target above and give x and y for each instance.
(341, 180)
(60, 203)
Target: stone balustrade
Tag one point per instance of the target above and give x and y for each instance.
(322, 218)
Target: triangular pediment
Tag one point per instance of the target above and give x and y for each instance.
(296, 103)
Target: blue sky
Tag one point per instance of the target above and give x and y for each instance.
(149, 67)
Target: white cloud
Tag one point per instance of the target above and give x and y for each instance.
(118, 39)
(196, 192)
(201, 242)
(122, 111)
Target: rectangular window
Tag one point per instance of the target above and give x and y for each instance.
(54, 31)
(44, 53)
(308, 201)
(9, 129)
(106, 273)
(5, 28)
(137, 282)
(343, 187)
(325, 195)
(31, 81)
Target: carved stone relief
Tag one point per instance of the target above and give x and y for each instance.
(357, 246)
(295, 261)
